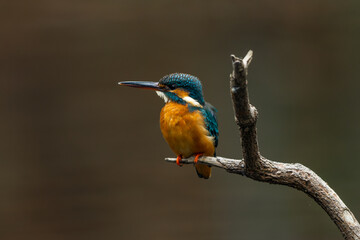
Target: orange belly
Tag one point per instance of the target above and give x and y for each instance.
(185, 131)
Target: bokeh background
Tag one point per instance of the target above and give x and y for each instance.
(82, 158)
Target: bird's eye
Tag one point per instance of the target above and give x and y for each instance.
(172, 86)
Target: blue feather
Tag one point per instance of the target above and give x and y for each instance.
(189, 83)
(211, 121)
(211, 124)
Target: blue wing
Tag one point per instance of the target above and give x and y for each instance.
(209, 112)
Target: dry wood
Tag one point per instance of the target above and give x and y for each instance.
(261, 169)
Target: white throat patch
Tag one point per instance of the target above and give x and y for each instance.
(163, 96)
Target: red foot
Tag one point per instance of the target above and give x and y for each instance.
(178, 161)
(197, 157)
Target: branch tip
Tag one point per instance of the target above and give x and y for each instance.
(247, 59)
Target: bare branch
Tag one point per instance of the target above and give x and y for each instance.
(230, 165)
(261, 169)
(245, 114)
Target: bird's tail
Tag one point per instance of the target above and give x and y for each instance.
(203, 170)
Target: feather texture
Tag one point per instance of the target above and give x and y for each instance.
(185, 131)
(187, 122)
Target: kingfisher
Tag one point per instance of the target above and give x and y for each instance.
(188, 123)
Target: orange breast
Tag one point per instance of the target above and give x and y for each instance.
(185, 131)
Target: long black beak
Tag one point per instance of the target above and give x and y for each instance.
(145, 85)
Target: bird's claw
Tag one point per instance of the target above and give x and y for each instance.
(178, 161)
(197, 157)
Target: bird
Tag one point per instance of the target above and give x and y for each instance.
(188, 123)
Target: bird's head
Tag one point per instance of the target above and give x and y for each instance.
(177, 87)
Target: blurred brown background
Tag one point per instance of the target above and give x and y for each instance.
(82, 158)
